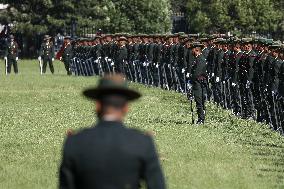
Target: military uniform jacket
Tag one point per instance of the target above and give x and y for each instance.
(110, 156)
(121, 56)
(67, 53)
(234, 65)
(12, 50)
(281, 79)
(246, 66)
(199, 69)
(259, 67)
(225, 65)
(47, 50)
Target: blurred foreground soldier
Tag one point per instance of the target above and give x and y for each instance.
(47, 54)
(110, 155)
(11, 55)
(198, 80)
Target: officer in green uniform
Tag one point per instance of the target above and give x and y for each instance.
(11, 55)
(198, 80)
(46, 53)
(67, 55)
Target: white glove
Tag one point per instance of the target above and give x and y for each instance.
(17, 58)
(157, 66)
(234, 84)
(187, 75)
(217, 79)
(52, 59)
(112, 64)
(5, 58)
(183, 70)
(39, 58)
(212, 75)
(109, 60)
(189, 85)
(224, 82)
(144, 64)
(96, 61)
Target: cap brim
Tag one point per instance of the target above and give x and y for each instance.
(96, 94)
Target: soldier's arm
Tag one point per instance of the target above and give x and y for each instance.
(219, 64)
(52, 51)
(276, 70)
(6, 51)
(251, 70)
(41, 50)
(66, 173)
(152, 171)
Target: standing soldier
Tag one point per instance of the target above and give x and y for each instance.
(46, 53)
(11, 55)
(67, 55)
(198, 80)
(121, 55)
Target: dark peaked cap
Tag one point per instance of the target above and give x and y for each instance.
(111, 85)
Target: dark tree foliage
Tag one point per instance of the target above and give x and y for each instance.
(42, 16)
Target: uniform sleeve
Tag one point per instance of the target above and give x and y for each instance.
(40, 50)
(251, 70)
(152, 170)
(52, 51)
(6, 50)
(66, 172)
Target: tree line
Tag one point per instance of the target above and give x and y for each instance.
(145, 16)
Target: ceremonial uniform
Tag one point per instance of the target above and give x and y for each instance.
(67, 57)
(198, 80)
(12, 53)
(47, 53)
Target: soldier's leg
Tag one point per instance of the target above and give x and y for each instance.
(44, 65)
(9, 64)
(51, 66)
(15, 65)
(197, 92)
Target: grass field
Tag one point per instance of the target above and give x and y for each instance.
(36, 111)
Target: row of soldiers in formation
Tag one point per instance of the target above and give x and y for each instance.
(244, 75)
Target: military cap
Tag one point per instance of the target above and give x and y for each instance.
(111, 85)
(197, 44)
(122, 39)
(46, 37)
(219, 40)
(68, 37)
(247, 40)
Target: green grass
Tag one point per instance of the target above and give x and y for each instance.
(36, 111)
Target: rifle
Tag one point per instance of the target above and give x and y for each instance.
(240, 98)
(159, 77)
(275, 112)
(252, 104)
(6, 66)
(190, 98)
(40, 66)
(268, 111)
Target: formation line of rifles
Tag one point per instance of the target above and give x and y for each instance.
(241, 74)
